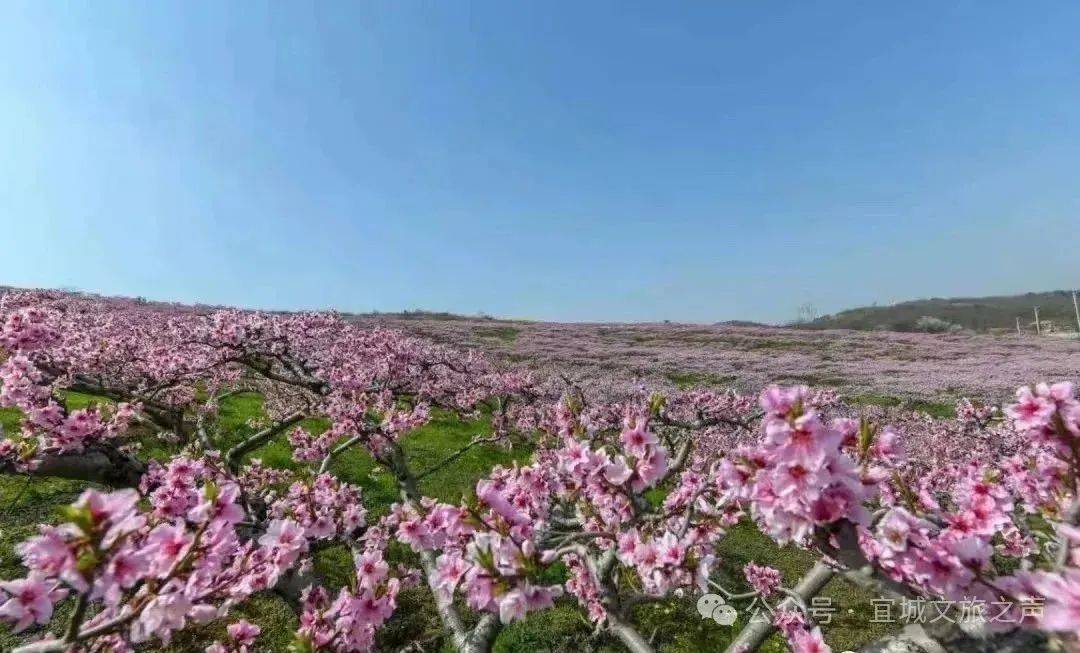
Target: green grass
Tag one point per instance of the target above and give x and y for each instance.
(883, 401)
(774, 345)
(686, 379)
(674, 625)
(938, 409)
(932, 408)
(506, 334)
(816, 380)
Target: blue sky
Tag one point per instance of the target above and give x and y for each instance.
(693, 161)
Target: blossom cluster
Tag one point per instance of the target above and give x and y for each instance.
(602, 461)
(349, 622)
(325, 508)
(150, 572)
(801, 476)
(48, 425)
(242, 636)
(310, 447)
(800, 635)
(944, 544)
(487, 551)
(765, 580)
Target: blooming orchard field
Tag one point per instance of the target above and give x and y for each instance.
(233, 481)
(926, 366)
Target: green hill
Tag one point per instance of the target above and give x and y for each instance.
(974, 313)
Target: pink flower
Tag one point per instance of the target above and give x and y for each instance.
(893, 530)
(243, 632)
(647, 559)
(670, 550)
(779, 401)
(415, 533)
(806, 440)
(972, 552)
(122, 571)
(651, 469)
(114, 506)
(764, 580)
(540, 598)
(941, 571)
(31, 601)
(164, 545)
(888, 446)
(285, 538)
(116, 511)
(617, 472)
(223, 508)
(1031, 412)
(1059, 393)
(518, 602)
(450, 569)
(479, 590)
(1061, 592)
(162, 615)
(321, 528)
(487, 492)
(796, 478)
(50, 555)
(371, 610)
(628, 544)
(637, 438)
(789, 622)
(513, 606)
(371, 569)
(809, 641)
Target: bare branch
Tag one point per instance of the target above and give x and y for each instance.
(232, 458)
(454, 456)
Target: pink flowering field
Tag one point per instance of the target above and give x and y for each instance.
(940, 367)
(189, 479)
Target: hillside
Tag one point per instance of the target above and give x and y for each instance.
(975, 313)
(938, 367)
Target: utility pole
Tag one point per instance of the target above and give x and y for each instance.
(1038, 328)
(1076, 309)
(1018, 332)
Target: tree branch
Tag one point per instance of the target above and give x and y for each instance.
(756, 632)
(628, 635)
(101, 464)
(233, 456)
(454, 456)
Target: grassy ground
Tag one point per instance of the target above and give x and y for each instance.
(938, 409)
(674, 625)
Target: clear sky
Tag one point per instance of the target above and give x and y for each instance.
(694, 161)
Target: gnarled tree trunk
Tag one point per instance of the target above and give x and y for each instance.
(102, 464)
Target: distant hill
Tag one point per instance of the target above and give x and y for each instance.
(974, 313)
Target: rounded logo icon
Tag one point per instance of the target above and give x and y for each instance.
(725, 615)
(707, 603)
(713, 606)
